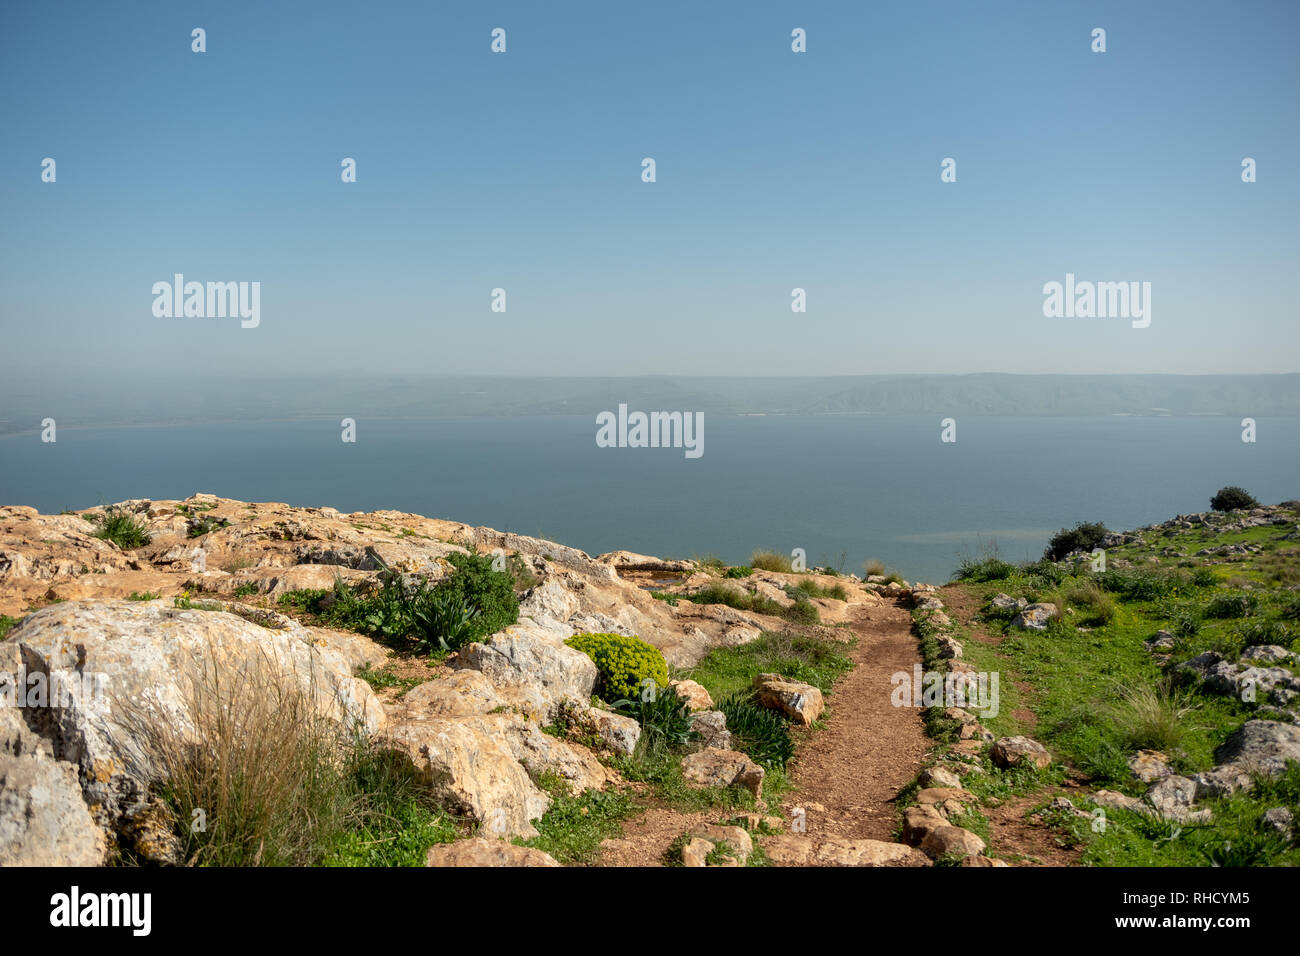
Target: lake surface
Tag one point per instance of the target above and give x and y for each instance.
(843, 488)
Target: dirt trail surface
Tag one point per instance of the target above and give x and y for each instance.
(845, 774)
(869, 750)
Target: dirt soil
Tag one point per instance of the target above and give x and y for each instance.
(847, 775)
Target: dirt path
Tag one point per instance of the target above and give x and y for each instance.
(847, 775)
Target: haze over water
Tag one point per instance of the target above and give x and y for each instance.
(843, 488)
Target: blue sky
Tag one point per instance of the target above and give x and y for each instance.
(775, 170)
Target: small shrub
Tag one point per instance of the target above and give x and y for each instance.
(442, 619)
(1265, 632)
(665, 720)
(757, 731)
(122, 529)
(1140, 585)
(740, 571)
(873, 568)
(525, 578)
(770, 561)
(1185, 624)
(985, 569)
(247, 589)
(205, 525)
(1232, 498)
(802, 611)
(143, 596)
(721, 594)
(811, 589)
(1232, 605)
(624, 663)
(6, 624)
(1084, 536)
(1096, 606)
(1151, 717)
(492, 592)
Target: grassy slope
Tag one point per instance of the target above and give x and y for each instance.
(1099, 695)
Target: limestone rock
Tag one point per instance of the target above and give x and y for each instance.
(946, 840)
(840, 852)
(711, 725)
(1035, 616)
(1264, 745)
(1149, 765)
(142, 662)
(43, 817)
(798, 701)
(527, 665)
(472, 772)
(696, 851)
(463, 693)
(735, 837)
(1020, 751)
(482, 852)
(788, 849)
(939, 777)
(919, 822)
(1173, 796)
(695, 695)
(712, 767)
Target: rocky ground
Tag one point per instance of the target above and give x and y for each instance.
(204, 593)
(1089, 758)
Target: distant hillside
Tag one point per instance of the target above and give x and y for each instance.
(174, 397)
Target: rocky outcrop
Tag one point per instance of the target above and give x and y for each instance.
(113, 666)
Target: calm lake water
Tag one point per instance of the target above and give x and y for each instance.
(844, 489)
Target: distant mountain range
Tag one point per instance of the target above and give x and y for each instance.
(168, 397)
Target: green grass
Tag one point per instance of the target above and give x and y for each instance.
(383, 677)
(812, 589)
(143, 596)
(729, 670)
(122, 529)
(7, 624)
(663, 774)
(770, 561)
(801, 612)
(573, 827)
(1099, 695)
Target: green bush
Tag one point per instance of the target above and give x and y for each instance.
(1084, 536)
(1140, 585)
(811, 589)
(1232, 605)
(741, 571)
(1094, 605)
(802, 611)
(757, 731)
(665, 720)
(1231, 498)
(624, 663)
(442, 619)
(492, 592)
(122, 529)
(985, 569)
